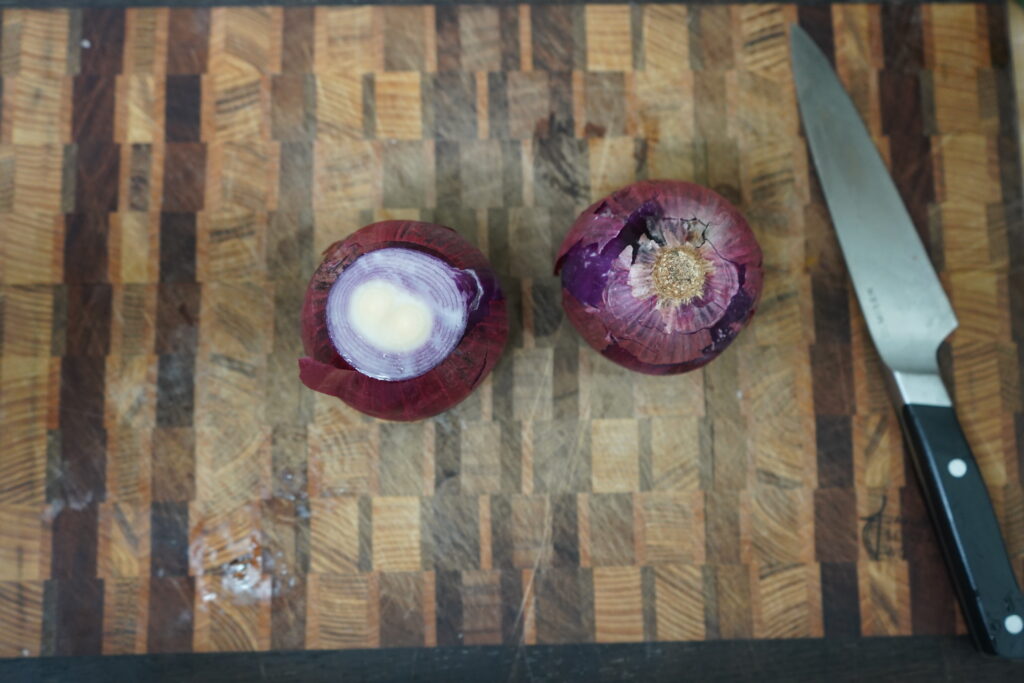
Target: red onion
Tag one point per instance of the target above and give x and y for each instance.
(402, 320)
(660, 276)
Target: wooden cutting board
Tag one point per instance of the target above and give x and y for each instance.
(169, 177)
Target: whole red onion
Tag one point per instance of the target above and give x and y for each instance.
(660, 276)
(402, 320)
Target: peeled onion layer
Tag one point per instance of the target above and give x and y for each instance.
(418, 274)
(660, 276)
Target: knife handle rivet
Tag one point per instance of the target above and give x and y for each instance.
(958, 468)
(1014, 624)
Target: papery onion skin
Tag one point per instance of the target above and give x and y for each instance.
(324, 370)
(605, 260)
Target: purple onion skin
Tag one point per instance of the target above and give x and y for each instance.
(604, 262)
(324, 370)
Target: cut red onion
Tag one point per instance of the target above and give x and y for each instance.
(660, 276)
(402, 320)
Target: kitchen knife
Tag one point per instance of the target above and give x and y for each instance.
(908, 316)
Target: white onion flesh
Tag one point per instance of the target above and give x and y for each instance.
(395, 313)
(389, 317)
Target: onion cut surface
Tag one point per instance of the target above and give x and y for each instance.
(660, 276)
(402, 320)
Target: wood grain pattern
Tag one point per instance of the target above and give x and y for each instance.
(168, 177)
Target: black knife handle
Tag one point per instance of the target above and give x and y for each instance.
(968, 530)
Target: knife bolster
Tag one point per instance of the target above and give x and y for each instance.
(919, 388)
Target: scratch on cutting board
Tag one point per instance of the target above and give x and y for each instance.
(572, 464)
(549, 377)
(873, 536)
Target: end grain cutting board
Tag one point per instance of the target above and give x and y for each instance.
(169, 177)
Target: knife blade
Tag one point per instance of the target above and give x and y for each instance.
(908, 316)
